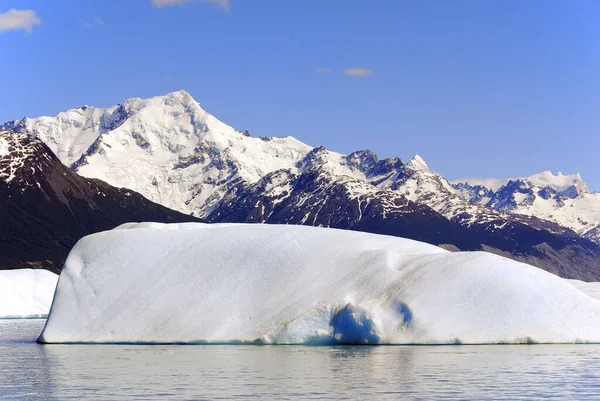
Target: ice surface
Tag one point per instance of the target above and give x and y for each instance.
(26, 292)
(196, 283)
(591, 289)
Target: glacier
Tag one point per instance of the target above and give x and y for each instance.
(26, 293)
(277, 284)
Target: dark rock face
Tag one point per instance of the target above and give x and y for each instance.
(475, 192)
(319, 199)
(504, 198)
(45, 208)
(363, 160)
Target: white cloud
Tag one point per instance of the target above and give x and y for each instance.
(323, 70)
(224, 4)
(96, 23)
(358, 72)
(18, 19)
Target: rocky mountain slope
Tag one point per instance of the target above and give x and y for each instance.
(174, 153)
(45, 207)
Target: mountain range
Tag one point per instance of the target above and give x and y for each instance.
(175, 154)
(564, 199)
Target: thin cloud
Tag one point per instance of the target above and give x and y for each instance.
(357, 72)
(18, 19)
(96, 23)
(323, 70)
(87, 24)
(224, 4)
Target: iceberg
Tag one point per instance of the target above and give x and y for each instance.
(26, 293)
(281, 284)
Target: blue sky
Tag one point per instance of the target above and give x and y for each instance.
(477, 88)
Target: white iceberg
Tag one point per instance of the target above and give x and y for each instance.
(232, 283)
(26, 293)
(591, 289)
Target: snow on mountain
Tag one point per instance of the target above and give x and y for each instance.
(488, 183)
(563, 199)
(417, 164)
(4, 147)
(174, 153)
(26, 293)
(413, 180)
(319, 198)
(572, 184)
(15, 151)
(418, 183)
(568, 185)
(167, 148)
(278, 284)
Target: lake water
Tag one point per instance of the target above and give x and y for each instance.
(29, 371)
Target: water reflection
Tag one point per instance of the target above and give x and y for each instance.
(107, 372)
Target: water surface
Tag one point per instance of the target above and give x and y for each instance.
(30, 371)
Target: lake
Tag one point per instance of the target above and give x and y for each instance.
(30, 371)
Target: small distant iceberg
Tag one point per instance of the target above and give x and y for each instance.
(278, 284)
(26, 293)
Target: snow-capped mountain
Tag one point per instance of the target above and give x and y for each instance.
(564, 199)
(45, 207)
(167, 148)
(176, 154)
(173, 152)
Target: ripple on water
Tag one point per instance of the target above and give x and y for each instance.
(115, 372)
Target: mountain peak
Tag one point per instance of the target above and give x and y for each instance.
(559, 182)
(19, 150)
(180, 96)
(363, 160)
(418, 164)
(159, 104)
(179, 93)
